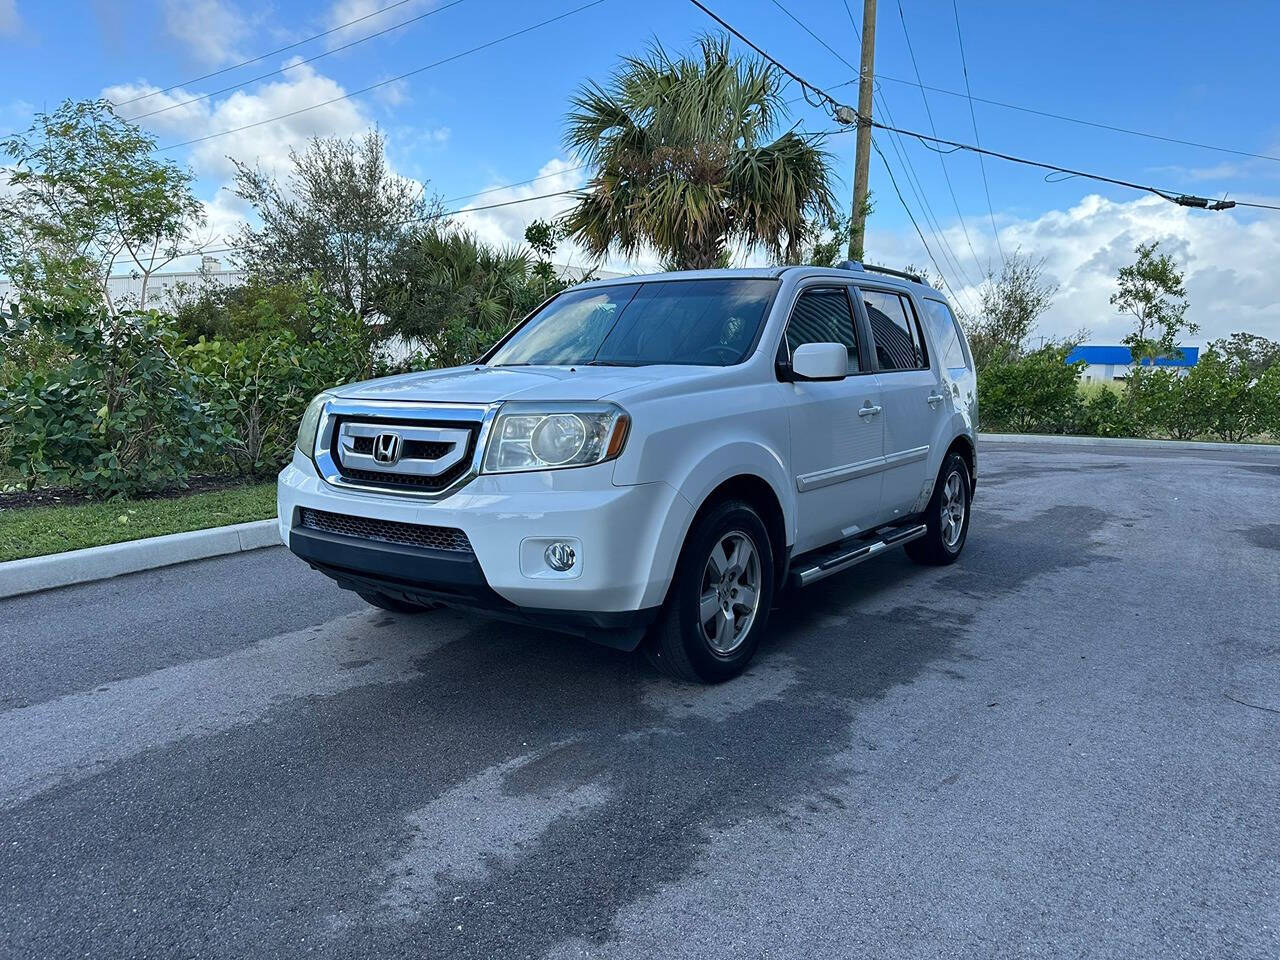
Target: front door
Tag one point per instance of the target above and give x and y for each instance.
(837, 433)
(913, 403)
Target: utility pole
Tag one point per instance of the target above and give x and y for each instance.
(862, 159)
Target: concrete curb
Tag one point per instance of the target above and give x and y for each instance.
(100, 563)
(1266, 449)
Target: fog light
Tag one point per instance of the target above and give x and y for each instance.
(560, 556)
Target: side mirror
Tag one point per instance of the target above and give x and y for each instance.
(820, 361)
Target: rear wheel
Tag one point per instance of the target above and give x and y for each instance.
(719, 598)
(385, 602)
(947, 516)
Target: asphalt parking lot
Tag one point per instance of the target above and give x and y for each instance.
(1066, 745)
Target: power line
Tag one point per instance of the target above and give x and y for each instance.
(909, 170)
(1098, 124)
(941, 160)
(293, 66)
(1088, 123)
(893, 180)
(982, 163)
(520, 183)
(841, 112)
(264, 56)
(431, 216)
(383, 83)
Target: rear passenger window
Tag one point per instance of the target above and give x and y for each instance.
(823, 315)
(947, 335)
(893, 328)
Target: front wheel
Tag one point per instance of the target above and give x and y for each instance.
(719, 598)
(947, 516)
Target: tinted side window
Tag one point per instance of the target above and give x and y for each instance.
(823, 316)
(894, 331)
(946, 332)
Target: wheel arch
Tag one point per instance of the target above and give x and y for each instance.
(963, 445)
(759, 493)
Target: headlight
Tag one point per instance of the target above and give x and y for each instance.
(551, 436)
(310, 424)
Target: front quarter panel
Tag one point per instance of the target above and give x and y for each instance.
(697, 441)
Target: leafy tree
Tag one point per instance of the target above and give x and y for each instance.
(454, 294)
(1009, 308)
(687, 161)
(1254, 353)
(543, 238)
(339, 215)
(827, 241)
(930, 278)
(86, 192)
(1033, 393)
(1151, 290)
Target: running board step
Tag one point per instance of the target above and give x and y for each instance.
(843, 556)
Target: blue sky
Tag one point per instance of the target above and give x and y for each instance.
(495, 117)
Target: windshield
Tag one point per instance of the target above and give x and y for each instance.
(704, 322)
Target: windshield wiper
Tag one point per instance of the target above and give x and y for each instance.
(609, 363)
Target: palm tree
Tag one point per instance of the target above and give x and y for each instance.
(453, 294)
(686, 161)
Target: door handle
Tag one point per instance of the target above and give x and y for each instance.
(868, 411)
(935, 399)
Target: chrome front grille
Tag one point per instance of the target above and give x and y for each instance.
(401, 454)
(386, 531)
(412, 448)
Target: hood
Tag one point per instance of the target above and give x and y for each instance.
(492, 384)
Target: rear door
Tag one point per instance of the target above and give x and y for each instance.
(837, 437)
(913, 403)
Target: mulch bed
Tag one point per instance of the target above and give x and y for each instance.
(68, 496)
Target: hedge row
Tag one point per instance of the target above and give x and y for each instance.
(1219, 398)
(123, 405)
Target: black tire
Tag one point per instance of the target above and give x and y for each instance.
(384, 602)
(679, 644)
(939, 546)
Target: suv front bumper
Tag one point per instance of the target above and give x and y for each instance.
(626, 538)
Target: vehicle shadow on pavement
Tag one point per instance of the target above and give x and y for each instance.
(514, 794)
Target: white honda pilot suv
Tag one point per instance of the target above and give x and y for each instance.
(652, 460)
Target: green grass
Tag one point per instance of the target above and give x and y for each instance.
(36, 531)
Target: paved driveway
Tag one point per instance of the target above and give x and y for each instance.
(1065, 745)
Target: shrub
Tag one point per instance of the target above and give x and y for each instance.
(1233, 402)
(1035, 393)
(237, 313)
(258, 388)
(112, 410)
(1104, 412)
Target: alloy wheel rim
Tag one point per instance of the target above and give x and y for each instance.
(730, 594)
(952, 509)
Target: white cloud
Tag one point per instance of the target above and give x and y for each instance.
(1229, 258)
(344, 11)
(267, 144)
(504, 226)
(10, 19)
(393, 94)
(211, 30)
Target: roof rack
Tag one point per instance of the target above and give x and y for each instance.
(855, 265)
